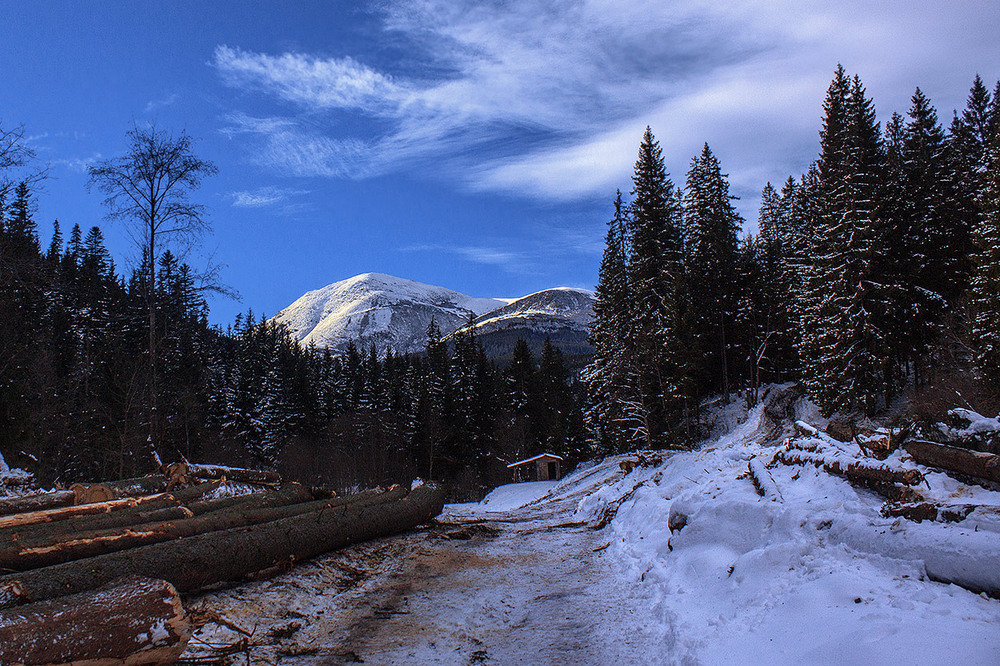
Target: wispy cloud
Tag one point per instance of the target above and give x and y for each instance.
(78, 164)
(549, 99)
(511, 261)
(155, 104)
(262, 197)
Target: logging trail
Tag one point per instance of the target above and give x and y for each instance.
(524, 585)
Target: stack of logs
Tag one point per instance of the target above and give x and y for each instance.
(897, 485)
(93, 574)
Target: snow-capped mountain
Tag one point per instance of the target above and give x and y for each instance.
(373, 308)
(548, 310)
(393, 313)
(561, 315)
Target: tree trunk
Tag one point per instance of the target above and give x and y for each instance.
(132, 621)
(66, 547)
(62, 513)
(251, 476)
(37, 502)
(143, 485)
(168, 507)
(972, 463)
(192, 563)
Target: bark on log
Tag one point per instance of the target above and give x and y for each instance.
(24, 556)
(973, 463)
(46, 549)
(193, 563)
(944, 513)
(63, 513)
(853, 470)
(139, 486)
(130, 622)
(763, 481)
(166, 507)
(37, 502)
(13, 594)
(251, 476)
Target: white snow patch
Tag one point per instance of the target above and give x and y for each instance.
(516, 495)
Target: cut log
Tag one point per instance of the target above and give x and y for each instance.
(853, 470)
(763, 481)
(193, 563)
(23, 556)
(37, 502)
(972, 463)
(919, 511)
(166, 507)
(139, 486)
(13, 594)
(62, 513)
(251, 476)
(132, 621)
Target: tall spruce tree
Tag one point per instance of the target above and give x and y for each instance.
(986, 278)
(655, 277)
(711, 226)
(842, 344)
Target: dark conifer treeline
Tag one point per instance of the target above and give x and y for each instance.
(876, 271)
(75, 385)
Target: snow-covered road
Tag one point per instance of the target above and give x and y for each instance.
(653, 559)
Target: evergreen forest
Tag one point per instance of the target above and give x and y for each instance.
(873, 275)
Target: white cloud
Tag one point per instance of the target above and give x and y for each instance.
(549, 98)
(155, 104)
(262, 197)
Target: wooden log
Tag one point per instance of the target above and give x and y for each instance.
(23, 556)
(139, 486)
(972, 463)
(130, 622)
(13, 594)
(251, 476)
(165, 507)
(62, 513)
(36, 502)
(762, 480)
(919, 511)
(853, 470)
(193, 563)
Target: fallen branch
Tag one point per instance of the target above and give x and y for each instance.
(132, 621)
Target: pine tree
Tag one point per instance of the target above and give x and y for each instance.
(655, 276)
(711, 226)
(607, 375)
(841, 343)
(986, 278)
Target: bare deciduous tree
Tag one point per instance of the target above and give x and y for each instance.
(148, 188)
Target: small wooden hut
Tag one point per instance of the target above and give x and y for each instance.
(543, 467)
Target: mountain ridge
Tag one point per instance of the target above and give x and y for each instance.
(393, 313)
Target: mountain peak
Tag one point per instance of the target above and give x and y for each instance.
(393, 313)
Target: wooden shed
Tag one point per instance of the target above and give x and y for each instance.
(543, 467)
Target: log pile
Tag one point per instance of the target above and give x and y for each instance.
(144, 545)
(864, 467)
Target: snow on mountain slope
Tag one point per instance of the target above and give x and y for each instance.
(383, 310)
(548, 310)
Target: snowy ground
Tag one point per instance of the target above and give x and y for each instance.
(589, 571)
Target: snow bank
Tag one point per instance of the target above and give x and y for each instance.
(515, 495)
(818, 576)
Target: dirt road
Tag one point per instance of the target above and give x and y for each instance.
(525, 586)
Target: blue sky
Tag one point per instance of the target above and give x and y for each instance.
(472, 144)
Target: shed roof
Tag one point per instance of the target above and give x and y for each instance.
(540, 456)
